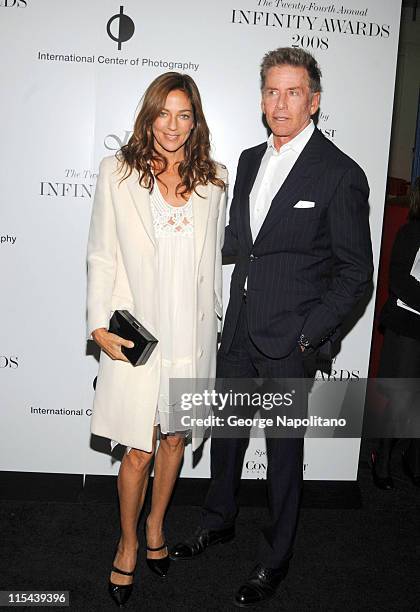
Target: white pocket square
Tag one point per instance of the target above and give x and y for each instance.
(304, 204)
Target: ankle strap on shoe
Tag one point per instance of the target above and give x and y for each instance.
(119, 571)
(156, 549)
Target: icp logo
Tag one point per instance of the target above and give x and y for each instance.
(125, 28)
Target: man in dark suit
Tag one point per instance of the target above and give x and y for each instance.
(299, 231)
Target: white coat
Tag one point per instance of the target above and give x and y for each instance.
(123, 274)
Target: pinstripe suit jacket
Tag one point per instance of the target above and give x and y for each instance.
(308, 266)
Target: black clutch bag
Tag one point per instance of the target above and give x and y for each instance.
(126, 326)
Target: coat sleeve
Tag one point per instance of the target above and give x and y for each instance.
(220, 237)
(352, 268)
(101, 252)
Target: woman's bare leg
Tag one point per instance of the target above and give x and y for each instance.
(132, 485)
(167, 464)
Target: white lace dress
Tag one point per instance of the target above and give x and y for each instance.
(174, 232)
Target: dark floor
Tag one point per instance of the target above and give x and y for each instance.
(365, 558)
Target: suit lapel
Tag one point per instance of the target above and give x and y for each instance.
(141, 199)
(301, 175)
(201, 208)
(250, 176)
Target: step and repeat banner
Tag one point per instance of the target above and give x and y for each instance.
(72, 75)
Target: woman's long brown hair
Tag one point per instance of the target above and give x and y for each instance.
(197, 167)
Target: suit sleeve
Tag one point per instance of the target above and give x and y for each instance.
(348, 218)
(101, 253)
(402, 284)
(230, 246)
(218, 273)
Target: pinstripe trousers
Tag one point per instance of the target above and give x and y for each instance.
(284, 455)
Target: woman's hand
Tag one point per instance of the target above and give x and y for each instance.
(111, 343)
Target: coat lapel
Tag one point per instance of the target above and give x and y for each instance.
(250, 176)
(201, 208)
(141, 199)
(301, 175)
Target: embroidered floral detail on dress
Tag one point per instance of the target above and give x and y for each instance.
(169, 219)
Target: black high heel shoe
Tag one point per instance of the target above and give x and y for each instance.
(382, 482)
(120, 593)
(157, 566)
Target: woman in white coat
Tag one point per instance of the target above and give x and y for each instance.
(155, 250)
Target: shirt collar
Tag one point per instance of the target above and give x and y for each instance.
(297, 144)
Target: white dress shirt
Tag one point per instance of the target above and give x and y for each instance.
(273, 171)
(274, 168)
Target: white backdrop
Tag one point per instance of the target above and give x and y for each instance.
(69, 97)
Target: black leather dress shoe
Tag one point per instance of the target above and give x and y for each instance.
(202, 539)
(260, 586)
(415, 478)
(385, 483)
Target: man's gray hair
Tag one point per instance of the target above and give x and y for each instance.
(288, 56)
